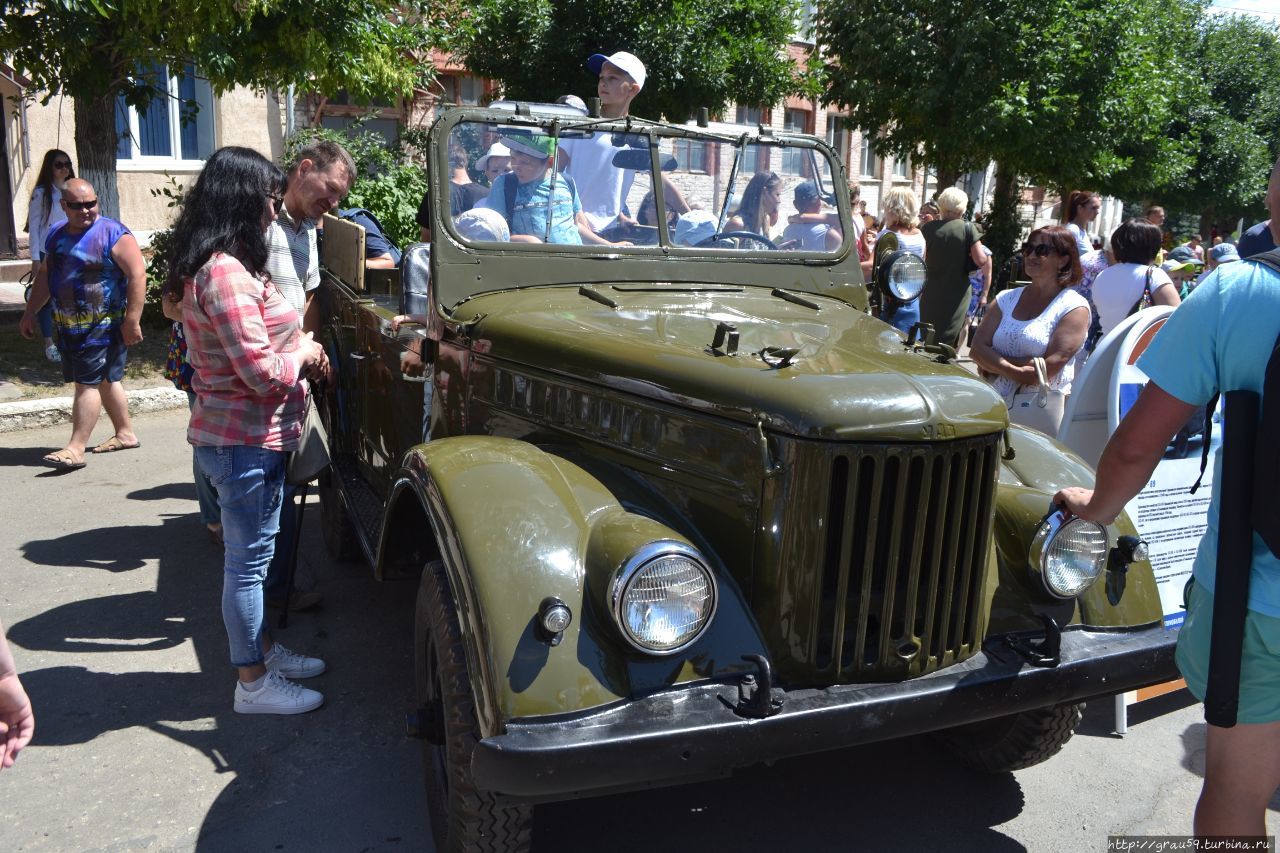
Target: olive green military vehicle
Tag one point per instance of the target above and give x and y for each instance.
(683, 505)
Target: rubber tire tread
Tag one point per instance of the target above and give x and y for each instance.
(336, 526)
(1015, 742)
(467, 820)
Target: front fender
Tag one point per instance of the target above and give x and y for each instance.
(515, 524)
(1040, 466)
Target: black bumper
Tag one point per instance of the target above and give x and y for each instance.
(692, 732)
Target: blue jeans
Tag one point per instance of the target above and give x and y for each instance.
(206, 496)
(250, 484)
(277, 580)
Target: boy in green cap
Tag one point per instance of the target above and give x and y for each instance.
(523, 195)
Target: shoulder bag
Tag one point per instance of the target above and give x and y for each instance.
(1038, 406)
(312, 456)
(1144, 301)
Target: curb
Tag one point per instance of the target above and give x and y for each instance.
(51, 411)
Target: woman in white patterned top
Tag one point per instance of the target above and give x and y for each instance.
(1047, 318)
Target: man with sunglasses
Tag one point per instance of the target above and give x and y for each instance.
(94, 273)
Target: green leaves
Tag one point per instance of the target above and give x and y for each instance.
(698, 54)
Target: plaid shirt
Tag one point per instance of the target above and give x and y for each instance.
(242, 336)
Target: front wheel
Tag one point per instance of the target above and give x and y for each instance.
(1014, 742)
(463, 818)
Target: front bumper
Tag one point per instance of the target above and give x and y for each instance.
(693, 732)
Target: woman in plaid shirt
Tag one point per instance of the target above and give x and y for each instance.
(251, 360)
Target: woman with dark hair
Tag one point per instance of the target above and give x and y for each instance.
(245, 343)
(1046, 319)
(1081, 209)
(1119, 289)
(44, 212)
(758, 210)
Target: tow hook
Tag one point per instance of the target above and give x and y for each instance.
(1046, 653)
(423, 724)
(755, 694)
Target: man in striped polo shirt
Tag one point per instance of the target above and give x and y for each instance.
(320, 176)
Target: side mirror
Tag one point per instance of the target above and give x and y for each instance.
(417, 293)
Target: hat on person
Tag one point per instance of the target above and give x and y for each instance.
(497, 149)
(1175, 265)
(573, 101)
(481, 224)
(1183, 254)
(694, 227)
(534, 145)
(806, 193)
(627, 62)
(1224, 253)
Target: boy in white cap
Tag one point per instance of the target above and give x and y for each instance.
(603, 188)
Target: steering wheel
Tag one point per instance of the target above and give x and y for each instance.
(746, 235)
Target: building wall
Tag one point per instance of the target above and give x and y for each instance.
(242, 116)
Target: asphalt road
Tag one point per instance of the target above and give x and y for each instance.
(109, 590)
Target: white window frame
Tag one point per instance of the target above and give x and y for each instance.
(140, 162)
(867, 155)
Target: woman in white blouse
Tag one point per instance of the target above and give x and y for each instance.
(1046, 318)
(44, 212)
(1119, 288)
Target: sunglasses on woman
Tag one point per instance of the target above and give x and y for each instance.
(62, 164)
(1040, 250)
(277, 202)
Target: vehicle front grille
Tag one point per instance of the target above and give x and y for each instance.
(906, 542)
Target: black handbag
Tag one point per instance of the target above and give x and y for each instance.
(311, 459)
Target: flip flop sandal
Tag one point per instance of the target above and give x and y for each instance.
(111, 445)
(63, 461)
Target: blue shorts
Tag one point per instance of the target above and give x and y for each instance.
(1259, 663)
(92, 364)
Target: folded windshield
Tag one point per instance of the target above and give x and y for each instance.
(576, 183)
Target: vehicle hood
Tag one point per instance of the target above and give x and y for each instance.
(852, 377)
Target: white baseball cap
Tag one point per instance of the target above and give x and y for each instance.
(497, 149)
(694, 227)
(480, 224)
(627, 62)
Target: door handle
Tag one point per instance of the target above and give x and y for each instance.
(357, 356)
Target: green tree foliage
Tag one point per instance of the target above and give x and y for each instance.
(1230, 116)
(93, 50)
(697, 53)
(1056, 88)
(1067, 93)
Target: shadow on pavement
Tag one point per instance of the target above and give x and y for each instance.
(864, 798)
(284, 773)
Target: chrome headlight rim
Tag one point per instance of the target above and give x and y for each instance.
(633, 565)
(886, 274)
(1055, 524)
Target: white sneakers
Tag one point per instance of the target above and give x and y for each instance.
(279, 695)
(291, 664)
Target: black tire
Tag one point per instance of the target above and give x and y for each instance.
(1014, 742)
(462, 817)
(335, 524)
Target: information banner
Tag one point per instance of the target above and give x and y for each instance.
(1169, 518)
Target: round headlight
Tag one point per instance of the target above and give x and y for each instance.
(905, 276)
(1069, 553)
(663, 598)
